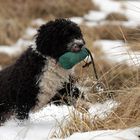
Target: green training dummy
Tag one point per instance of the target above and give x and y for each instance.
(69, 59)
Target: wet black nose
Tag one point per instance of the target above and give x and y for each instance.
(80, 45)
(77, 47)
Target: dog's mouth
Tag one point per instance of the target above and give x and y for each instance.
(76, 45)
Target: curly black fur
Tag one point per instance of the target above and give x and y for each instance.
(18, 83)
(18, 89)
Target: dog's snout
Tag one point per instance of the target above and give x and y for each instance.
(80, 45)
(76, 45)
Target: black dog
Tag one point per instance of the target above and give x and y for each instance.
(36, 78)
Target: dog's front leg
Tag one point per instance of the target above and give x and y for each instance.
(22, 111)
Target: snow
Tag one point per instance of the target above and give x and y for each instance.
(133, 10)
(30, 32)
(128, 134)
(129, 8)
(41, 124)
(117, 51)
(21, 45)
(39, 127)
(77, 20)
(131, 23)
(38, 22)
(16, 48)
(109, 6)
(95, 16)
(90, 24)
(103, 109)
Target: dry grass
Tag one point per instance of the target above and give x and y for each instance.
(13, 22)
(122, 86)
(89, 34)
(115, 76)
(112, 31)
(76, 123)
(116, 17)
(115, 32)
(6, 60)
(128, 112)
(44, 8)
(121, 76)
(126, 115)
(134, 46)
(11, 30)
(15, 16)
(122, 83)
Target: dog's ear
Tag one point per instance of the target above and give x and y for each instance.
(42, 38)
(49, 41)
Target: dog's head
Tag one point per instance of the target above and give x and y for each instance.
(57, 37)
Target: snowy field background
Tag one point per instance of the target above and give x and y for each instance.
(43, 123)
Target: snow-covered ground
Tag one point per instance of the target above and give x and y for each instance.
(128, 134)
(42, 124)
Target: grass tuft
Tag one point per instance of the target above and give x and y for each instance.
(116, 17)
(11, 30)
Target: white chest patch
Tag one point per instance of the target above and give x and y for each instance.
(52, 79)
